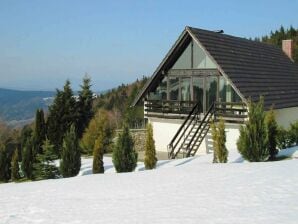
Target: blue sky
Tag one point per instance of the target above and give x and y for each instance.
(43, 43)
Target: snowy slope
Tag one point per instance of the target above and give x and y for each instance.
(181, 191)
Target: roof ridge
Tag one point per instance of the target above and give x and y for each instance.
(191, 29)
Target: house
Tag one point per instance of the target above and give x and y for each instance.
(208, 74)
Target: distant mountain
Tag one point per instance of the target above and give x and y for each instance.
(18, 107)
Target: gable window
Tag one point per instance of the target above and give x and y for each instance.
(194, 57)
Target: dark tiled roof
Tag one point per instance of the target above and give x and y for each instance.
(254, 68)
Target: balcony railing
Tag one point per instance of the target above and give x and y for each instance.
(167, 108)
(230, 111)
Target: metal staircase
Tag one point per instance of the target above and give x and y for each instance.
(191, 133)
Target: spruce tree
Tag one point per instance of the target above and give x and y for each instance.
(44, 167)
(98, 156)
(62, 114)
(124, 156)
(84, 105)
(27, 159)
(253, 140)
(272, 130)
(39, 131)
(15, 175)
(4, 168)
(70, 163)
(150, 152)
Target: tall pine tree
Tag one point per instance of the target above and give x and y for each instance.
(70, 163)
(39, 131)
(15, 175)
(4, 168)
(28, 159)
(62, 114)
(84, 106)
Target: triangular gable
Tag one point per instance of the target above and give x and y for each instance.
(176, 53)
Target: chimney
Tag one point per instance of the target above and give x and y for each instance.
(288, 48)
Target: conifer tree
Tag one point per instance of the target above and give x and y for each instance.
(214, 140)
(98, 156)
(220, 152)
(85, 112)
(150, 159)
(27, 159)
(4, 168)
(70, 163)
(62, 114)
(124, 155)
(39, 131)
(44, 168)
(15, 175)
(272, 130)
(253, 140)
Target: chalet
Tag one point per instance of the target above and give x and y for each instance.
(208, 74)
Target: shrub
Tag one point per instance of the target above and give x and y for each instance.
(124, 156)
(272, 130)
(150, 152)
(70, 163)
(99, 125)
(294, 133)
(220, 152)
(253, 140)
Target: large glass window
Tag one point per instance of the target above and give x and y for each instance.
(226, 92)
(185, 89)
(194, 57)
(200, 58)
(160, 93)
(198, 91)
(184, 61)
(222, 90)
(174, 88)
(211, 90)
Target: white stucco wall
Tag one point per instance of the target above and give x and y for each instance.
(286, 116)
(165, 129)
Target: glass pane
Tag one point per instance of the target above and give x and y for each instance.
(160, 93)
(174, 88)
(200, 59)
(222, 89)
(184, 61)
(234, 96)
(198, 91)
(211, 90)
(185, 89)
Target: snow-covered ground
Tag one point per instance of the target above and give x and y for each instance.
(191, 190)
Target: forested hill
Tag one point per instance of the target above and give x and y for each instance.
(118, 102)
(276, 37)
(16, 105)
